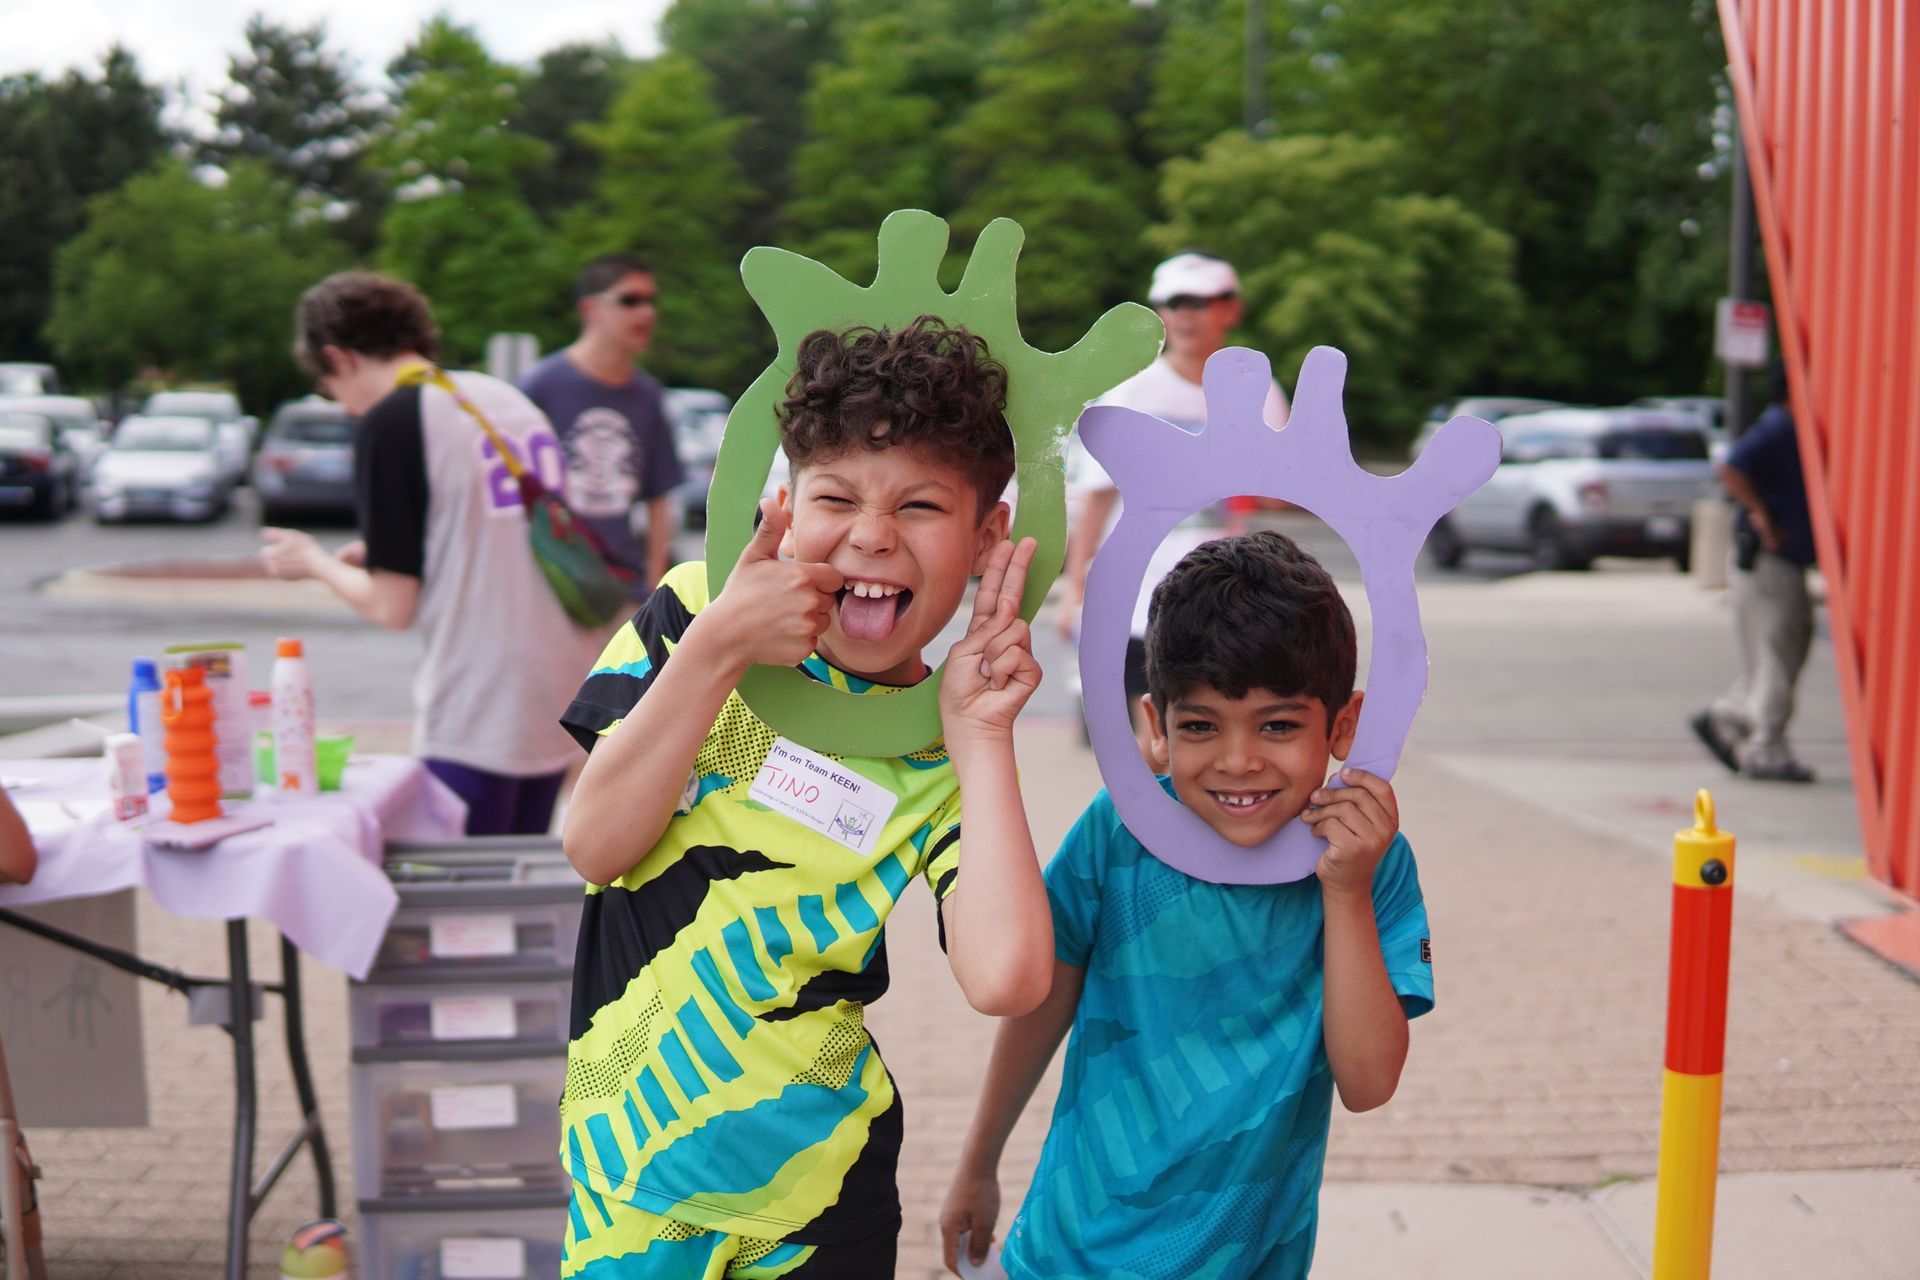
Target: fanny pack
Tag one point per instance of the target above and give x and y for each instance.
(591, 586)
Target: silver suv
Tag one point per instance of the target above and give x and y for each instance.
(1573, 484)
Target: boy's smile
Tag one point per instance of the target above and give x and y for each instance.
(903, 528)
(1247, 765)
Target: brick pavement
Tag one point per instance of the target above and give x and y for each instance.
(1540, 1065)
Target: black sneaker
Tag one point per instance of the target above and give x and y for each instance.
(1709, 734)
(1788, 770)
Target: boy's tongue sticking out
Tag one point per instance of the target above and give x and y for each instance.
(868, 610)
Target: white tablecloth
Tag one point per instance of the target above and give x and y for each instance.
(314, 873)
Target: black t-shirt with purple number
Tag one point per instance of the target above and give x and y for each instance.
(619, 447)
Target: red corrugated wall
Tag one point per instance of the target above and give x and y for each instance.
(1829, 98)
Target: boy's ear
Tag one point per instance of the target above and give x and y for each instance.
(783, 497)
(1156, 735)
(1346, 722)
(991, 533)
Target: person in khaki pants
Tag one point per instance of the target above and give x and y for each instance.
(1746, 727)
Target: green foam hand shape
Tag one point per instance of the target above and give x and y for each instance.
(1045, 393)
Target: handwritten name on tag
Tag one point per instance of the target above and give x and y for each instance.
(483, 1259)
(469, 937)
(824, 795)
(477, 1106)
(473, 1018)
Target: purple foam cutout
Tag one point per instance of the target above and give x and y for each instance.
(1165, 474)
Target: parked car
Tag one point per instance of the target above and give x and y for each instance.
(37, 470)
(21, 379)
(74, 418)
(305, 463)
(698, 418)
(1710, 410)
(1573, 484)
(239, 431)
(1489, 408)
(172, 468)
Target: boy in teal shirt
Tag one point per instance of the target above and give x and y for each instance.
(1211, 1024)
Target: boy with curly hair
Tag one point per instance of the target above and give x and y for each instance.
(726, 1112)
(1212, 1024)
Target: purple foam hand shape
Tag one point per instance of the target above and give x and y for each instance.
(1165, 474)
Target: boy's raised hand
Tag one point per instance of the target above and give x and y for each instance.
(991, 671)
(973, 1205)
(773, 611)
(1358, 822)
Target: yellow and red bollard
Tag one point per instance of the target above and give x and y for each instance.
(1696, 1047)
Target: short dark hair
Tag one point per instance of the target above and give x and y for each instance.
(605, 272)
(1245, 613)
(366, 313)
(929, 384)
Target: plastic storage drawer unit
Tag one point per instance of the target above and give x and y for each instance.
(472, 931)
(435, 1127)
(462, 1244)
(423, 1019)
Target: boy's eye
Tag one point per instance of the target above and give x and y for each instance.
(923, 506)
(833, 499)
(1195, 726)
(1281, 726)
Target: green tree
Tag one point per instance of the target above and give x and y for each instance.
(874, 145)
(758, 55)
(670, 192)
(459, 226)
(1584, 131)
(291, 104)
(572, 85)
(61, 143)
(1051, 144)
(1417, 290)
(192, 278)
(878, 118)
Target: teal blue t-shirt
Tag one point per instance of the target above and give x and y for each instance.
(1191, 1125)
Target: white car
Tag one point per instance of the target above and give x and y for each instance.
(169, 468)
(1573, 484)
(239, 432)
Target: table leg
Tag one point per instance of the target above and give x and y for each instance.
(240, 1027)
(303, 1076)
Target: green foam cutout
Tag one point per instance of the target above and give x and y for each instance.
(1045, 393)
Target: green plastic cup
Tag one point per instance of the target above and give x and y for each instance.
(263, 759)
(330, 752)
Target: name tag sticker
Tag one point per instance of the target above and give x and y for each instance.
(468, 937)
(824, 795)
(479, 1106)
(483, 1259)
(473, 1018)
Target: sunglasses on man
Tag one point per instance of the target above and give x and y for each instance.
(1192, 302)
(631, 299)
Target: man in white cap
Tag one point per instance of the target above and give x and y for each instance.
(1198, 298)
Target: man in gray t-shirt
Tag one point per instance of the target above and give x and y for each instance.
(611, 417)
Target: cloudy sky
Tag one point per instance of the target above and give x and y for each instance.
(191, 40)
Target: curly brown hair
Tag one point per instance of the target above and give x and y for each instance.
(929, 384)
(1252, 612)
(366, 313)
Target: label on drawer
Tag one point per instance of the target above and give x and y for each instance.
(464, 937)
(483, 1259)
(473, 1018)
(477, 1106)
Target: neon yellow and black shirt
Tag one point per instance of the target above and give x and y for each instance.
(719, 1072)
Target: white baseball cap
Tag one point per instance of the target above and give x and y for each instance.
(1193, 275)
